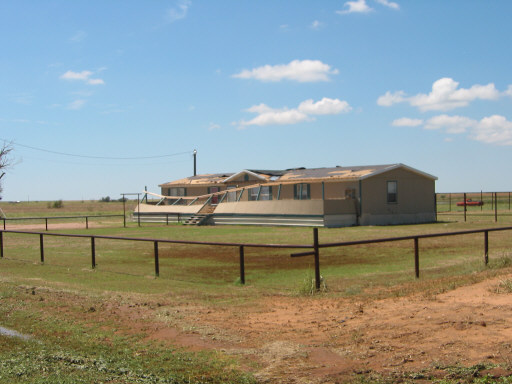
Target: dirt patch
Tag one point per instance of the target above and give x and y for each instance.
(318, 339)
(296, 339)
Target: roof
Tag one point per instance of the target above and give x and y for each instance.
(300, 174)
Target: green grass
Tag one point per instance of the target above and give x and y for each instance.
(70, 345)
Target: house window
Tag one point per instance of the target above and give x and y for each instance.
(302, 191)
(392, 192)
(266, 193)
(253, 194)
(350, 193)
(178, 191)
(231, 195)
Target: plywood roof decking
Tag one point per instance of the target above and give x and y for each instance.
(296, 175)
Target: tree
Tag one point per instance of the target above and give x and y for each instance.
(5, 160)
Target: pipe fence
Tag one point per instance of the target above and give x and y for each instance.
(47, 218)
(313, 249)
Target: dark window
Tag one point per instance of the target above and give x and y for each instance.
(302, 191)
(392, 192)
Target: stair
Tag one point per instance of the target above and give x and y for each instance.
(202, 216)
(197, 219)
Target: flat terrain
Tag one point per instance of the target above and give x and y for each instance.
(372, 321)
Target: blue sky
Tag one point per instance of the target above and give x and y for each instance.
(105, 97)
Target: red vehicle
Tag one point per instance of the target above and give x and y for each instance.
(470, 203)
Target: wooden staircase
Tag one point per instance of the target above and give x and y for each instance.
(202, 216)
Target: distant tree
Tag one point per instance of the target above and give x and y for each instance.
(5, 160)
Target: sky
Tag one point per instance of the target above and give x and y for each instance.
(99, 98)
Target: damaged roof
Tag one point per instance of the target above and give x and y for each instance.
(300, 174)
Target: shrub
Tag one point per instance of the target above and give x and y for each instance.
(56, 204)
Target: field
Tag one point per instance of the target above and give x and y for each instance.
(372, 321)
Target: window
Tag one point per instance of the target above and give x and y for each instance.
(302, 191)
(177, 191)
(392, 192)
(350, 193)
(231, 195)
(266, 193)
(253, 194)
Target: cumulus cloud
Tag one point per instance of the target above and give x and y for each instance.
(297, 70)
(316, 24)
(84, 76)
(178, 12)
(445, 95)
(325, 106)
(357, 6)
(76, 105)
(389, 4)
(286, 116)
(407, 122)
(493, 129)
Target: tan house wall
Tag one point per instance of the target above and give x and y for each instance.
(415, 198)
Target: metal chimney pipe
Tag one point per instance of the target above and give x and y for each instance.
(195, 155)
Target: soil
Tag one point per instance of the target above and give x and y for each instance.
(326, 340)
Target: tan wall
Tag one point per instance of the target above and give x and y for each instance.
(273, 207)
(415, 194)
(146, 208)
(340, 206)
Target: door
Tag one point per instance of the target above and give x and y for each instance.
(215, 198)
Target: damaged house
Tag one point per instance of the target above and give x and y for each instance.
(328, 197)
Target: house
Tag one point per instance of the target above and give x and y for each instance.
(330, 197)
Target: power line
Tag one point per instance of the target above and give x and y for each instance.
(98, 157)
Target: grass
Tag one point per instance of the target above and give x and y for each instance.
(70, 345)
(73, 343)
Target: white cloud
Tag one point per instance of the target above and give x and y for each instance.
(357, 6)
(76, 105)
(407, 122)
(297, 70)
(494, 129)
(213, 127)
(78, 37)
(286, 116)
(451, 124)
(316, 24)
(84, 76)
(179, 12)
(445, 95)
(325, 106)
(388, 99)
(389, 4)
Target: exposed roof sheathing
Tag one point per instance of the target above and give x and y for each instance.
(299, 175)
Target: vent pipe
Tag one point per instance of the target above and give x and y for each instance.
(195, 156)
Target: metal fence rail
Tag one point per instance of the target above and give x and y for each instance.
(314, 248)
(47, 218)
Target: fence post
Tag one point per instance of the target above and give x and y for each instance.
(486, 247)
(93, 253)
(41, 246)
(317, 258)
(167, 219)
(86, 222)
(242, 265)
(46, 223)
(157, 267)
(4, 222)
(416, 258)
(450, 199)
(465, 207)
(495, 207)
(2, 244)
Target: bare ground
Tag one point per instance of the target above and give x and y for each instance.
(325, 340)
